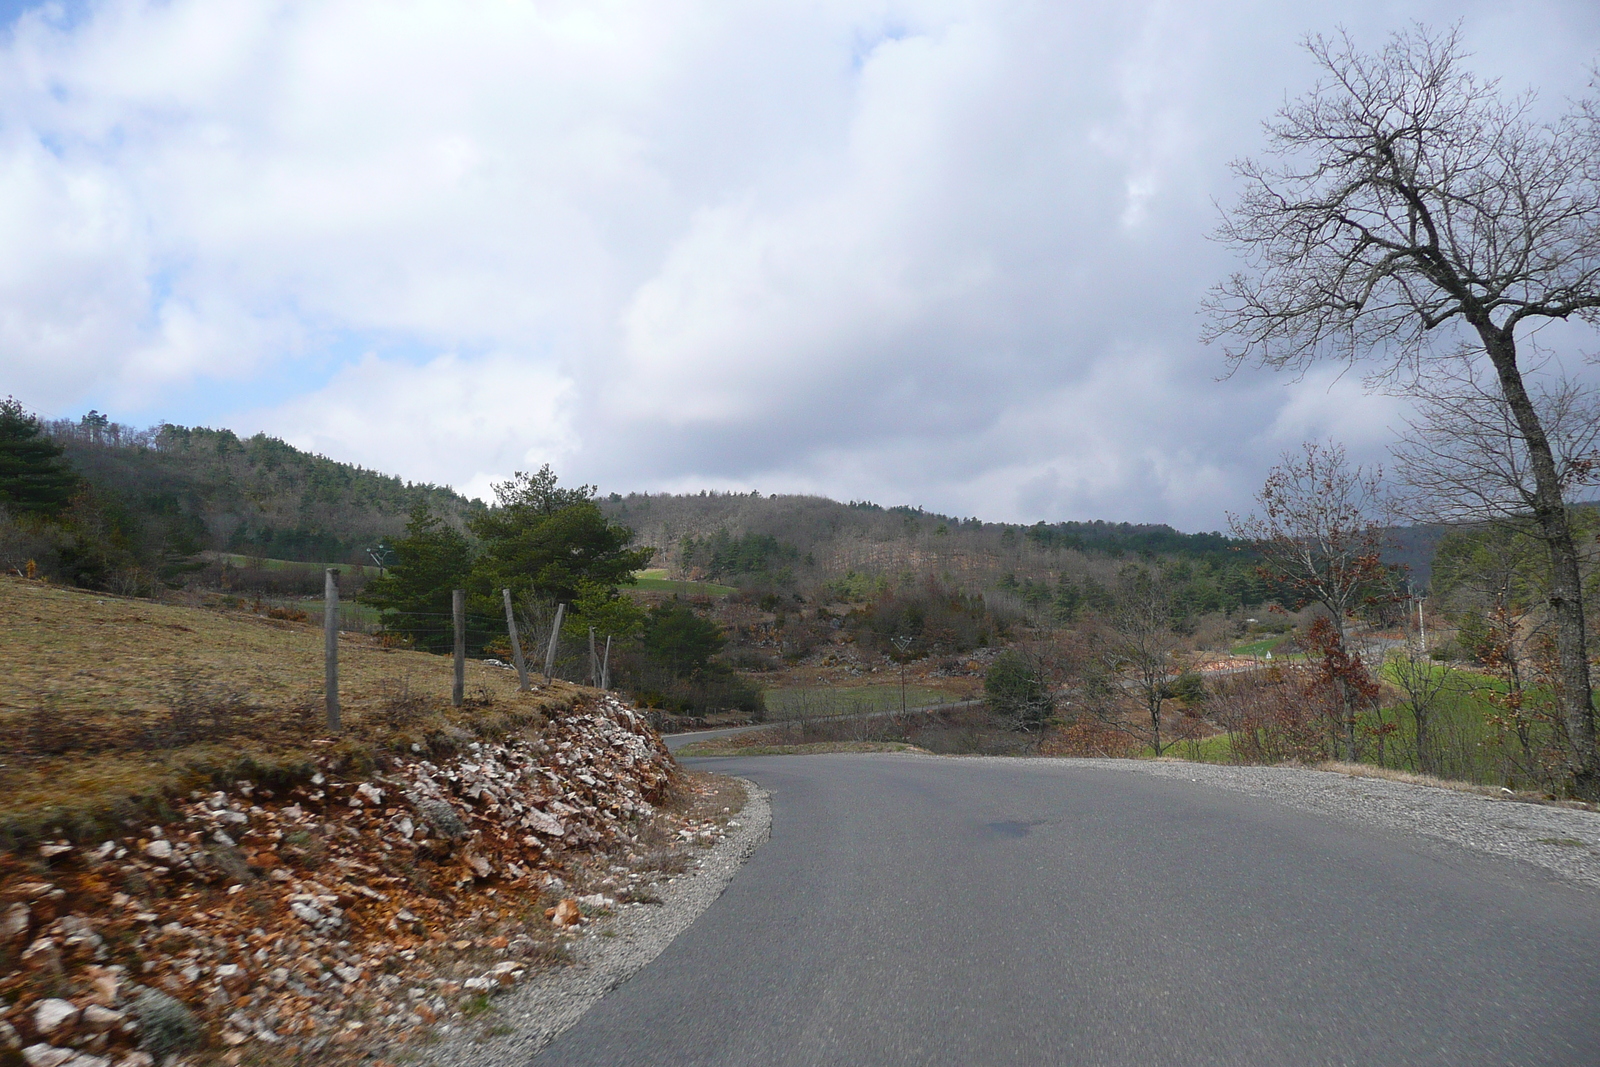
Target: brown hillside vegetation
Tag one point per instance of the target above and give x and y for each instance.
(108, 703)
(831, 538)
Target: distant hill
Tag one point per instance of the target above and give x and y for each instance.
(809, 541)
(844, 532)
(1414, 547)
(184, 489)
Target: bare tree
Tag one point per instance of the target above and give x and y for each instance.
(1320, 531)
(1410, 202)
(1425, 685)
(1464, 459)
(1136, 643)
(1492, 580)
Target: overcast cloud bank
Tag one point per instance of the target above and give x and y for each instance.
(937, 253)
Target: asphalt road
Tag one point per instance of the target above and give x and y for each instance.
(967, 912)
(676, 741)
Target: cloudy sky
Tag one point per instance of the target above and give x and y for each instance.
(938, 253)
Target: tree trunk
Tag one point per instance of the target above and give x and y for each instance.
(1424, 749)
(1155, 723)
(1342, 691)
(1347, 711)
(1573, 693)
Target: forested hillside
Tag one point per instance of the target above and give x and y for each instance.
(808, 541)
(198, 488)
(105, 506)
(154, 499)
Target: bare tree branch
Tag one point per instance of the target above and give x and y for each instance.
(1409, 205)
(1464, 459)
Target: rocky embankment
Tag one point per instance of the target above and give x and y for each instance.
(345, 912)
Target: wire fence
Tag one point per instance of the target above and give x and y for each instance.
(487, 637)
(427, 629)
(354, 617)
(458, 633)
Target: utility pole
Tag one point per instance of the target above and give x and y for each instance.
(902, 643)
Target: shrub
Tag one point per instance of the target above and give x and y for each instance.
(941, 620)
(1273, 715)
(1190, 688)
(1016, 690)
(679, 640)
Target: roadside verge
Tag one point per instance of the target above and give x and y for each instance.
(1562, 841)
(610, 952)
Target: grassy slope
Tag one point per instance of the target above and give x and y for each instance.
(1260, 646)
(849, 700)
(86, 702)
(244, 562)
(655, 580)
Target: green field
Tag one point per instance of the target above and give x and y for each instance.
(1468, 745)
(244, 562)
(1215, 749)
(655, 580)
(824, 701)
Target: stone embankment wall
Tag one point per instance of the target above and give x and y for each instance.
(350, 908)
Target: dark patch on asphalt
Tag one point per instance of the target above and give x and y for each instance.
(1015, 829)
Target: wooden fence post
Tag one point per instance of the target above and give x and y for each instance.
(516, 644)
(458, 608)
(555, 635)
(330, 646)
(605, 666)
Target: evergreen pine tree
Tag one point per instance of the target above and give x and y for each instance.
(428, 562)
(34, 480)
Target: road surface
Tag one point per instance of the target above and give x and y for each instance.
(676, 741)
(948, 911)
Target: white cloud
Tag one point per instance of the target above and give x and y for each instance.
(925, 251)
(464, 422)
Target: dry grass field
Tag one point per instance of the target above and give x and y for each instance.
(108, 705)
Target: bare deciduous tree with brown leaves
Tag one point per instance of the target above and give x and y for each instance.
(1410, 204)
(1134, 641)
(1320, 531)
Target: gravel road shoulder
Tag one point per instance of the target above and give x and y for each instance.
(1564, 841)
(611, 951)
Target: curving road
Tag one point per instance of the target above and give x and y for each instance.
(674, 742)
(967, 912)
